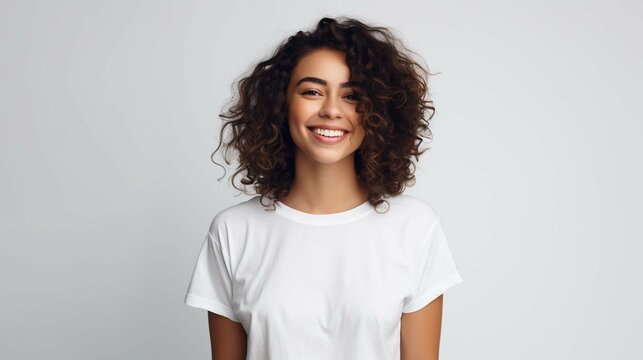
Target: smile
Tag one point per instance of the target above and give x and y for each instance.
(328, 137)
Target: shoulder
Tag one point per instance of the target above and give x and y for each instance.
(411, 207)
(415, 218)
(239, 214)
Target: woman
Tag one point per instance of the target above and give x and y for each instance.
(325, 129)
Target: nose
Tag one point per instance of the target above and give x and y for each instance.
(330, 108)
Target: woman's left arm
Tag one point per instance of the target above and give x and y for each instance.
(420, 332)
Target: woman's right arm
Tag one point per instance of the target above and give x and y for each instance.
(228, 339)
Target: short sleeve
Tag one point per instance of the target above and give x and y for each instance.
(434, 272)
(210, 287)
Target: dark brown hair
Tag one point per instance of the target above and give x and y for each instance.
(393, 105)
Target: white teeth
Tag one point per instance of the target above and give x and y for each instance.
(331, 133)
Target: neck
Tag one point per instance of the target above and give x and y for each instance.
(320, 188)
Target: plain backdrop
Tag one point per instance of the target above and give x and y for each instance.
(109, 117)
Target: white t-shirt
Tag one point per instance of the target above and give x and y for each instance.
(322, 286)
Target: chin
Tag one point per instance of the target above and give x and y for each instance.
(331, 158)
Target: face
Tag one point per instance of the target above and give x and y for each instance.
(320, 97)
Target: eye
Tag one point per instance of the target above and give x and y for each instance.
(352, 97)
(310, 92)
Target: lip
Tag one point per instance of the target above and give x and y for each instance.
(328, 127)
(327, 140)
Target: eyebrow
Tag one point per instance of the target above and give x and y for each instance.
(323, 82)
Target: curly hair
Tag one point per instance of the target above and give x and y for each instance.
(393, 106)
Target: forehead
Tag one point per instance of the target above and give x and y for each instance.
(327, 64)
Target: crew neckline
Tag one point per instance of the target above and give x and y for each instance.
(341, 217)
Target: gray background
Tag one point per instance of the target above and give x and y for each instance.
(109, 116)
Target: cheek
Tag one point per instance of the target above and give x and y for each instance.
(298, 115)
(361, 135)
(359, 129)
(300, 111)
